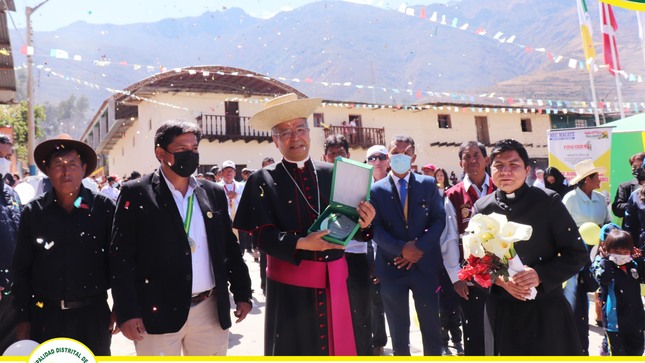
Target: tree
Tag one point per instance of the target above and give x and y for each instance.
(16, 117)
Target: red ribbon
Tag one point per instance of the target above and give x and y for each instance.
(331, 276)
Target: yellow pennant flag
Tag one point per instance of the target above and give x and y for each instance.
(585, 30)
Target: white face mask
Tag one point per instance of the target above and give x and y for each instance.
(4, 166)
(619, 259)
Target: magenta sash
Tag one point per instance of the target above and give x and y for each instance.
(331, 276)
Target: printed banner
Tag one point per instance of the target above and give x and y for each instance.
(567, 147)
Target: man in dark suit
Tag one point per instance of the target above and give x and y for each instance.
(174, 253)
(627, 188)
(409, 220)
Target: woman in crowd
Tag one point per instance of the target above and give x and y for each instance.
(554, 180)
(634, 221)
(443, 181)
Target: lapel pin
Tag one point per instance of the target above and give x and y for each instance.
(209, 214)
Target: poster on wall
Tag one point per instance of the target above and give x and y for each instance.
(567, 147)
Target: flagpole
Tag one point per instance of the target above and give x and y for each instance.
(641, 31)
(591, 60)
(612, 47)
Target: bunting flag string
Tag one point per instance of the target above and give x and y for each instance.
(418, 94)
(449, 101)
(498, 36)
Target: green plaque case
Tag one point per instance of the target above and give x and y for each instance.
(351, 184)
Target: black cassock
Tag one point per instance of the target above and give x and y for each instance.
(274, 210)
(544, 326)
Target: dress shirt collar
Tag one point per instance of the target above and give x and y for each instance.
(485, 186)
(299, 164)
(396, 178)
(86, 201)
(192, 184)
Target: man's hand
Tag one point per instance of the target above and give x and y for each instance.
(23, 331)
(242, 310)
(411, 253)
(314, 242)
(461, 288)
(513, 288)
(527, 278)
(402, 262)
(366, 212)
(1, 294)
(133, 329)
(113, 327)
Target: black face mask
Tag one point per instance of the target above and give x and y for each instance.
(639, 173)
(186, 162)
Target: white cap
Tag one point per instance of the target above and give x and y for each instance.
(376, 149)
(228, 164)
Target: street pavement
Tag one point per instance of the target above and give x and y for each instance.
(247, 337)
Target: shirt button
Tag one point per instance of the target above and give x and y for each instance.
(189, 277)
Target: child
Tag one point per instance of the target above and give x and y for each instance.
(620, 276)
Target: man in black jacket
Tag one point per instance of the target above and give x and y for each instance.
(173, 255)
(627, 188)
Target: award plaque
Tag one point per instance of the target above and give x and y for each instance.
(351, 184)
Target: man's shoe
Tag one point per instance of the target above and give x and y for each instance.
(377, 351)
(460, 349)
(445, 351)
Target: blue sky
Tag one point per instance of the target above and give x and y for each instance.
(59, 13)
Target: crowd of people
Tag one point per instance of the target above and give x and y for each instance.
(170, 246)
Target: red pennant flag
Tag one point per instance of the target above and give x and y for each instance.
(419, 94)
(550, 56)
(608, 27)
(23, 49)
(423, 13)
(510, 101)
(309, 80)
(528, 49)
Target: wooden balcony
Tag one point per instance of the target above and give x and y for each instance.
(362, 137)
(223, 128)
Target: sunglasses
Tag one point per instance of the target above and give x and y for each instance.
(381, 157)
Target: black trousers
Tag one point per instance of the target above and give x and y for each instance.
(89, 325)
(358, 284)
(379, 336)
(8, 321)
(472, 317)
(449, 311)
(625, 343)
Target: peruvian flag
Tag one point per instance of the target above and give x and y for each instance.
(608, 27)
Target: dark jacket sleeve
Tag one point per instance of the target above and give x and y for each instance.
(237, 270)
(9, 221)
(21, 266)
(571, 254)
(620, 201)
(632, 221)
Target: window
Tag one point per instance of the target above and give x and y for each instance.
(526, 125)
(444, 122)
(319, 119)
(581, 123)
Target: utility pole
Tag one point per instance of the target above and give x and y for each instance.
(31, 125)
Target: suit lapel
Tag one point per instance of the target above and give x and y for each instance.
(204, 203)
(395, 193)
(165, 199)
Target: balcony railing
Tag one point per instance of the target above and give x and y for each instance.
(223, 128)
(362, 137)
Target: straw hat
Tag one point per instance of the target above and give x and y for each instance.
(44, 150)
(584, 169)
(283, 108)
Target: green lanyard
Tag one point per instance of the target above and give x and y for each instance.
(189, 213)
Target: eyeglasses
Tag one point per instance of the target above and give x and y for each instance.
(381, 157)
(286, 134)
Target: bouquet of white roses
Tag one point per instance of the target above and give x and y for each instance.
(489, 251)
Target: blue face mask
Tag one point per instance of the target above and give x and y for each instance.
(400, 163)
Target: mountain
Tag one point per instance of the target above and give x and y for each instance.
(338, 42)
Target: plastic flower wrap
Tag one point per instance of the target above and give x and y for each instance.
(488, 247)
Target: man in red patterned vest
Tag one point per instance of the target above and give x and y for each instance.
(459, 203)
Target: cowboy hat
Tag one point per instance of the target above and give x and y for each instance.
(45, 149)
(283, 108)
(584, 169)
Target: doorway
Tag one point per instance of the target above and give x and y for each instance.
(481, 122)
(232, 117)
